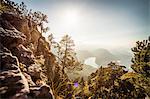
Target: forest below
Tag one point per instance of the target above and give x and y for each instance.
(36, 67)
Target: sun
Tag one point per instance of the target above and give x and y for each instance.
(71, 17)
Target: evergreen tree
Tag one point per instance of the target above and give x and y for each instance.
(141, 60)
(67, 55)
(141, 64)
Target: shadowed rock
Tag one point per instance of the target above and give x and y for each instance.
(13, 83)
(9, 36)
(41, 92)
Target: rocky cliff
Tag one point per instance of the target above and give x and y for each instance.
(23, 52)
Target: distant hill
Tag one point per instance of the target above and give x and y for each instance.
(83, 55)
(103, 56)
(124, 56)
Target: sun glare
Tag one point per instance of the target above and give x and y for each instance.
(71, 17)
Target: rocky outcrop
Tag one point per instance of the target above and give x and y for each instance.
(20, 72)
(35, 72)
(25, 26)
(13, 83)
(23, 54)
(44, 49)
(9, 36)
(18, 23)
(29, 79)
(42, 92)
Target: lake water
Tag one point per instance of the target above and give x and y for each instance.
(91, 61)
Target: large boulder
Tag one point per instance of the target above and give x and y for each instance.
(13, 83)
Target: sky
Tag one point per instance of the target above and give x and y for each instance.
(96, 23)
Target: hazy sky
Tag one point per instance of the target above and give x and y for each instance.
(101, 23)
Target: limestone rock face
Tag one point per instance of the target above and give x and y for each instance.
(35, 72)
(20, 24)
(25, 26)
(35, 35)
(13, 83)
(23, 54)
(19, 69)
(29, 79)
(9, 36)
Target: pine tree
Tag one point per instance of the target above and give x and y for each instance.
(141, 64)
(67, 54)
(141, 60)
